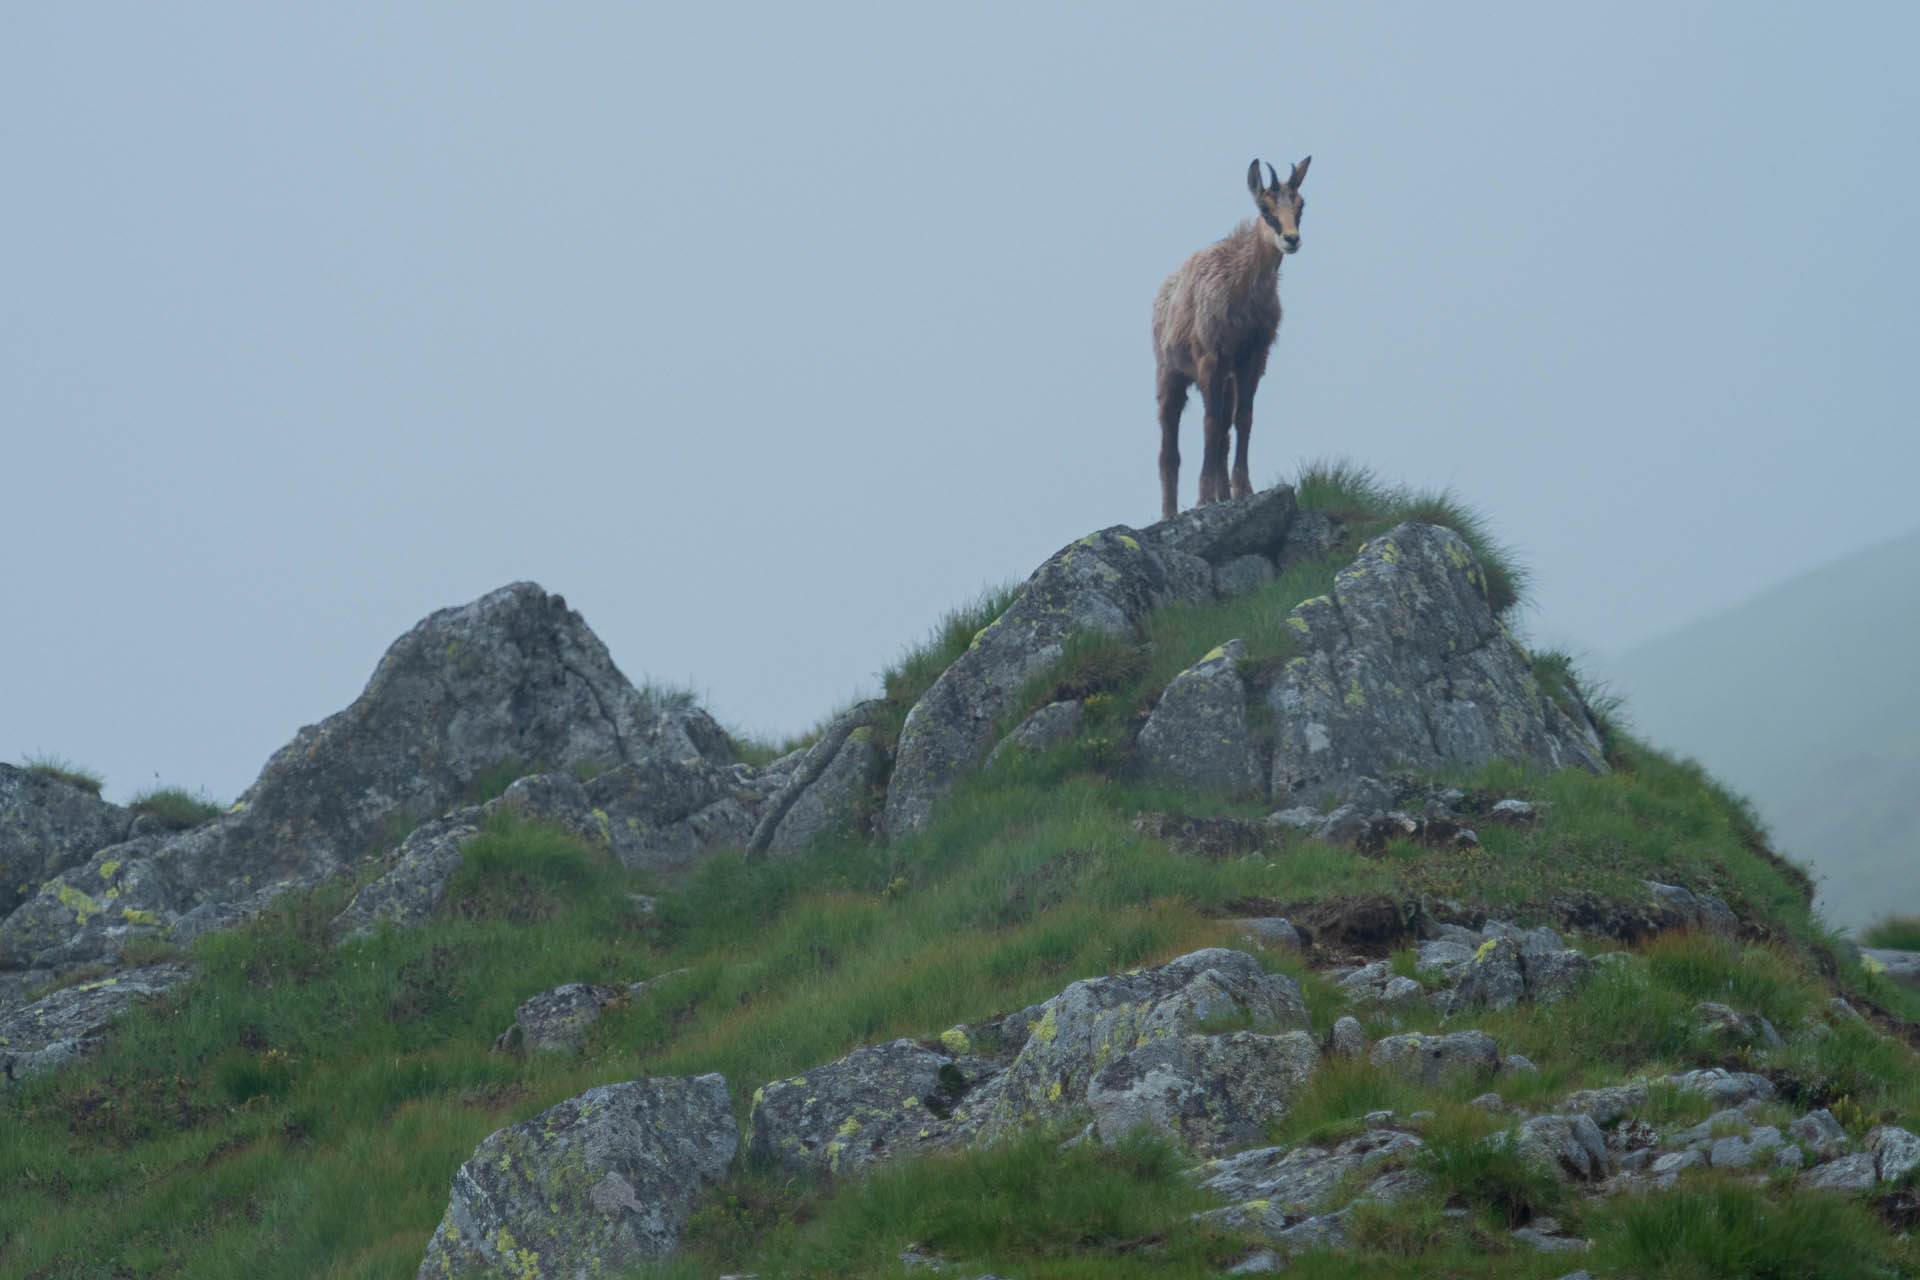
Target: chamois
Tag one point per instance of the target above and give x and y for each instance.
(1214, 320)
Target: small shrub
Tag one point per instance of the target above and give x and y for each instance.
(66, 771)
(175, 808)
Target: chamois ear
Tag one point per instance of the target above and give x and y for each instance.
(1253, 176)
(1299, 173)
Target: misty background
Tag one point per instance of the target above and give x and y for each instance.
(767, 334)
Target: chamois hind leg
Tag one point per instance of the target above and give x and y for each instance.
(1246, 381)
(1216, 388)
(1172, 393)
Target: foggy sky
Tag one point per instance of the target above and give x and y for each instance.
(766, 334)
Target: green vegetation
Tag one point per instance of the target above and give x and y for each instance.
(1895, 933)
(300, 1107)
(175, 808)
(1367, 506)
(65, 770)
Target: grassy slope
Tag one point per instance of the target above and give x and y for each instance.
(299, 1109)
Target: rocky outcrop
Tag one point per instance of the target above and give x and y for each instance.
(559, 1021)
(63, 1026)
(1106, 582)
(1054, 723)
(1098, 1021)
(877, 1103)
(594, 1186)
(827, 792)
(1405, 666)
(513, 676)
(1437, 1060)
(1209, 1093)
(1198, 734)
(48, 826)
(662, 814)
(1571, 1146)
(410, 891)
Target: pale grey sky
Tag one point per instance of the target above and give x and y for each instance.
(768, 333)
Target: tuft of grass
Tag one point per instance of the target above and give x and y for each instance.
(1121, 1210)
(1727, 1228)
(1493, 1176)
(667, 695)
(52, 766)
(175, 808)
(1896, 933)
(522, 872)
(1337, 1098)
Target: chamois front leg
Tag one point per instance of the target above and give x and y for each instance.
(1216, 388)
(1173, 397)
(1246, 381)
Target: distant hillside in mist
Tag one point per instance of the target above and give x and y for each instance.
(1808, 700)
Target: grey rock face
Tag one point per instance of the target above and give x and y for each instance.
(559, 1021)
(1198, 733)
(1098, 1020)
(1405, 666)
(1222, 532)
(1206, 1092)
(411, 890)
(1554, 975)
(876, 1103)
(1856, 1172)
(1684, 906)
(1052, 724)
(1299, 1179)
(662, 814)
(1243, 574)
(1269, 931)
(1896, 1150)
(1737, 1151)
(1819, 1132)
(1349, 1037)
(596, 1185)
(48, 826)
(1436, 1060)
(1106, 582)
(1727, 1088)
(61, 1026)
(1492, 979)
(1572, 1146)
(1378, 984)
(515, 675)
(825, 800)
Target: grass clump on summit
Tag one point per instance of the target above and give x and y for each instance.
(52, 766)
(174, 808)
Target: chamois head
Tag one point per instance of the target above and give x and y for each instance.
(1280, 204)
